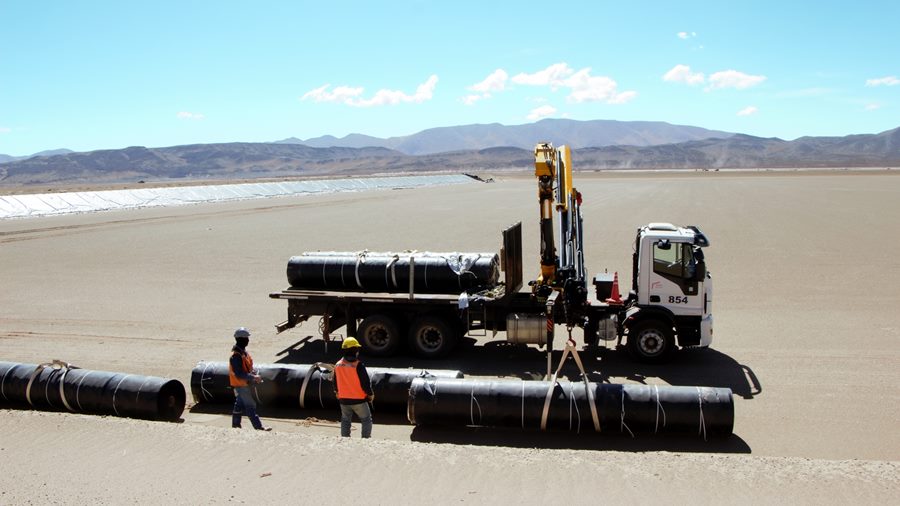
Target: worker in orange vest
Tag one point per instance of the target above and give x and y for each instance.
(353, 389)
(241, 375)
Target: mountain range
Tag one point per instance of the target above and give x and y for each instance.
(577, 134)
(598, 145)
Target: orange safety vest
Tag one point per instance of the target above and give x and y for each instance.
(347, 380)
(247, 364)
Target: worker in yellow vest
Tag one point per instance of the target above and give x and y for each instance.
(241, 375)
(353, 389)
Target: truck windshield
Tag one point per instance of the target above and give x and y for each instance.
(675, 260)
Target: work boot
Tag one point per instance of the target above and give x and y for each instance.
(254, 419)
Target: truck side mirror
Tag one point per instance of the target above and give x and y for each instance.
(700, 271)
(664, 245)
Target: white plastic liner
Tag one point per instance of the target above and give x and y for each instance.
(47, 204)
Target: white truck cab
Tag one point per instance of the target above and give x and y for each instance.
(671, 291)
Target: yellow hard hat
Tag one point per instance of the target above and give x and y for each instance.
(350, 342)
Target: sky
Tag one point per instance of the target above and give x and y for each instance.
(91, 75)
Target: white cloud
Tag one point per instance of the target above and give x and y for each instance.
(5, 130)
(718, 80)
(340, 94)
(883, 81)
(588, 88)
(622, 98)
(541, 112)
(748, 111)
(683, 74)
(196, 116)
(424, 92)
(686, 35)
(583, 86)
(351, 96)
(494, 82)
(471, 99)
(551, 76)
(873, 106)
(733, 79)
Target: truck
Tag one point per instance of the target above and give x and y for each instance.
(668, 307)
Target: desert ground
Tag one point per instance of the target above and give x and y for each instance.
(807, 336)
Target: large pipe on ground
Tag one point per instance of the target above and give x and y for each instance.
(306, 386)
(435, 273)
(58, 386)
(567, 406)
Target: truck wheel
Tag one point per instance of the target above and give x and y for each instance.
(378, 335)
(651, 341)
(432, 337)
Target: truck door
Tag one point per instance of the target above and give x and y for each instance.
(674, 281)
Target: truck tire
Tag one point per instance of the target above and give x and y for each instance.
(651, 341)
(432, 336)
(379, 335)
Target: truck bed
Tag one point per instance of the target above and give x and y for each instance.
(334, 296)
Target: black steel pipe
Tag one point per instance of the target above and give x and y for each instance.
(58, 386)
(435, 273)
(305, 385)
(630, 409)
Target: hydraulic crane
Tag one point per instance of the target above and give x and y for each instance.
(559, 202)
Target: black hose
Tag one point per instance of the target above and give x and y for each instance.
(283, 384)
(61, 387)
(629, 409)
(436, 273)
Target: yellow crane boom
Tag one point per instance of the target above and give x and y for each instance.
(560, 208)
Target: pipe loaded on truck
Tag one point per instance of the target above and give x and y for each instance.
(431, 300)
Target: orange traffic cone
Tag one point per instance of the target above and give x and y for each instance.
(615, 297)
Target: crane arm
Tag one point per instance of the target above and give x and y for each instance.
(553, 170)
(545, 170)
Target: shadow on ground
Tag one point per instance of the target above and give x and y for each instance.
(510, 438)
(693, 367)
(485, 436)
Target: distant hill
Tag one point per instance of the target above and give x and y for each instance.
(745, 151)
(578, 134)
(193, 162)
(271, 160)
(51, 152)
(348, 141)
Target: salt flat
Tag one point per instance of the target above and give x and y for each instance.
(807, 335)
